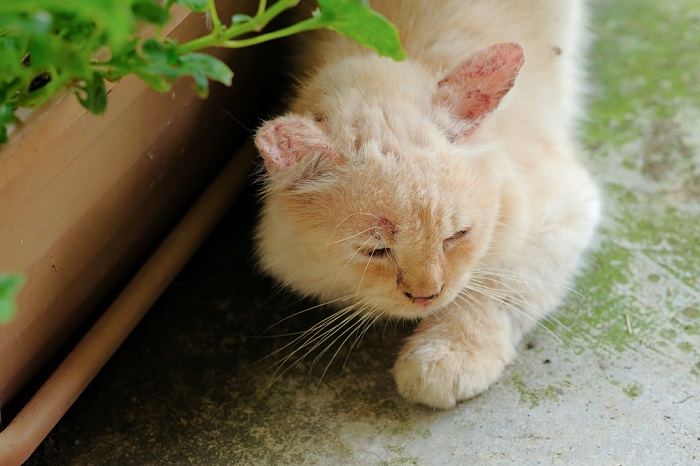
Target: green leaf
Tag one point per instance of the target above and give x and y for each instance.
(160, 54)
(201, 66)
(194, 5)
(356, 20)
(47, 52)
(10, 285)
(240, 18)
(38, 23)
(93, 94)
(48, 45)
(161, 63)
(156, 82)
(149, 11)
(12, 50)
(7, 117)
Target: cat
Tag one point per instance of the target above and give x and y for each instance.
(445, 188)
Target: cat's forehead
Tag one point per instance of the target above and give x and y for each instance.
(390, 127)
(396, 209)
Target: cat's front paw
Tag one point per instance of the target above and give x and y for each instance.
(439, 375)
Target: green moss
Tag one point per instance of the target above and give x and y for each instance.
(691, 312)
(647, 60)
(696, 369)
(612, 380)
(668, 334)
(685, 346)
(632, 391)
(413, 460)
(398, 449)
(534, 396)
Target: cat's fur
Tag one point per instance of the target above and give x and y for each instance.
(482, 201)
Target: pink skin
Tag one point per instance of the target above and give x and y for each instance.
(481, 82)
(287, 140)
(388, 226)
(422, 301)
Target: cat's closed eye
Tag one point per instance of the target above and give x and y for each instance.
(457, 236)
(377, 252)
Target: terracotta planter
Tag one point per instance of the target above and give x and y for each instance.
(83, 199)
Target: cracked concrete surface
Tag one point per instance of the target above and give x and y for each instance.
(622, 386)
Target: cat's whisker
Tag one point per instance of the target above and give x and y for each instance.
(349, 260)
(359, 285)
(318, 339)
(307, 310)
(381, 314)
(518, 298)
(317, 327)
(353, 214)
(365, 322)
(386, 324)
(350, 237)
(359, 337)
(536, 321)
(328, 325)
(516, 276)
(366, 319)
(487, 292)
(471, 302)
(351, 329)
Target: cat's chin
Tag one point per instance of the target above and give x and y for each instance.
(418, 311)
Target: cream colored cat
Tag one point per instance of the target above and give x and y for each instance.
(444, 188)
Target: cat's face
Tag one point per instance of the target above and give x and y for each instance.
(392, 212)
(406, 237)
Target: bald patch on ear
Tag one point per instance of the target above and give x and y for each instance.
(475, 88)
(285, 141)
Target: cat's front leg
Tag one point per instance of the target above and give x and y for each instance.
(454, 355)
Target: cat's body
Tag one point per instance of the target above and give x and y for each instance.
(411, 189)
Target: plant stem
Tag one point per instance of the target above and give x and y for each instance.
(261, 7)
(306, 25)
(256, 24)
(215, 21)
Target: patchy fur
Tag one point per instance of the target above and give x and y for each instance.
(444, 188)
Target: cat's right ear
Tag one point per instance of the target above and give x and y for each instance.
(295, 150)
(475, 88)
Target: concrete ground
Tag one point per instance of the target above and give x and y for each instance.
(618, 382)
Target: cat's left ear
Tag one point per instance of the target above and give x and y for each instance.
(475, 88)
(295, 150)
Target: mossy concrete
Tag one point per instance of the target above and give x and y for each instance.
(623, 387)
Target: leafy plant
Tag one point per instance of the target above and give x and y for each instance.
(50, 45)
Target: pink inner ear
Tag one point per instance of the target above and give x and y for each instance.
(477, 86)
(286, 140)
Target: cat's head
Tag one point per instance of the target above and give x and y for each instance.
(386, 192)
